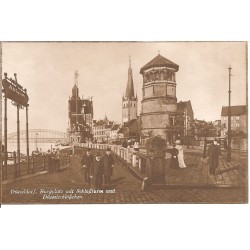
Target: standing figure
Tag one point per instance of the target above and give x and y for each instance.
(108, 164)
(96, 172)
(136, 146)
(57, 160)
(180, 154)
(213, 154)
(53, 160)
(50, 161)
(125, 144)
(87, 161)
(174, 157)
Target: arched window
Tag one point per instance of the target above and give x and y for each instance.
(157, 76)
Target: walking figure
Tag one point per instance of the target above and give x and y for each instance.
(180, 154)
(108, 164)
(213, 155)
(174, 157)
(96, 172)
(87, 161)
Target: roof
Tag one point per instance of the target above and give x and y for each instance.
(130, 85)
(182, 105)
(121, 130)
(115, 127)
(108, 126)
(235, 110)
(129, 123)
(159, 61)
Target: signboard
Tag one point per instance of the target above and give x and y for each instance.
(15, 92)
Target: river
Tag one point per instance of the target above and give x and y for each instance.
(42, 147)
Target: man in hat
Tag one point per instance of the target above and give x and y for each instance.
(87, 161)
(108, 165)
(213, 155)
(96, 171)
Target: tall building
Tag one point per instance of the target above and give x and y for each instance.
(80, 113)
(159, 102)
(185, 110)
(129, 100)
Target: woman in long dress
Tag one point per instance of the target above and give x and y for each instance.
(180, 154)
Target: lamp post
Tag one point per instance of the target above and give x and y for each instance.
(229, 118)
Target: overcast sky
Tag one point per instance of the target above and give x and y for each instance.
(47, 71)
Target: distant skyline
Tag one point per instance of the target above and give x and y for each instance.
(47, 71)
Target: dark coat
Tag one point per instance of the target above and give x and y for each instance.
(87, 160)
(213, 153)
(174, 158)
(108, 161)
(96, 168)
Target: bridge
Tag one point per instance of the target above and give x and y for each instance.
(39, 135)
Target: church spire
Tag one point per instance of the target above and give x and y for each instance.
(130, 85)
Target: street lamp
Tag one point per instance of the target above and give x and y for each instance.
(229, 118)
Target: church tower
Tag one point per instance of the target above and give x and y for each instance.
(129, 100)
(159, 102)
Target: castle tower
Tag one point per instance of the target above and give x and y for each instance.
(129, 100)
(159, 102)
(80, 113)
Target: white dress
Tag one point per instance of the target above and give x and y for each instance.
(180, 156)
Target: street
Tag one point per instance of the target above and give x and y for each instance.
(124, 188)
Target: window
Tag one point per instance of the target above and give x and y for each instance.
(225, 118)
(232, 118)
(237, 124)
(237, 118)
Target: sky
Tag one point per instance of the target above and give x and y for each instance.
(47, 70)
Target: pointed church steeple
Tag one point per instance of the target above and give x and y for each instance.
(129, 101)
(130, 85)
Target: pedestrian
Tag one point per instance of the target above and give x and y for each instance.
(87, 161)
(53, 160)
(96, 172)
(57, 160)
(108, 164)
(180, 154)
(49, 161)
(136, 146)
(213, 155)
(174, 157)
(125, 144)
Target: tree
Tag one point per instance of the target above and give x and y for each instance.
(238, 133)
(203, 128)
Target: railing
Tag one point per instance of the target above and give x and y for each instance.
(37, 163)
(127, 156)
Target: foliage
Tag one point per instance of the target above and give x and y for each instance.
(203, 129)
(237, 133)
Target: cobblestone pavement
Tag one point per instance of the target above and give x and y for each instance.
(124, 188)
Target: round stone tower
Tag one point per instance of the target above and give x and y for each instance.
(159, 102)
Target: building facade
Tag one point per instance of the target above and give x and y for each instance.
(186, 117)
(159, 102)
(102, 129)
(114, 132)
(238, 119)
(129, 100)
(80, 114)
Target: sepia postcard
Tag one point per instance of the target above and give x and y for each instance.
(124, 122)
